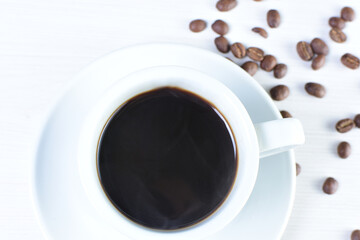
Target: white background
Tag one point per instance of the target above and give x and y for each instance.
(44, 43)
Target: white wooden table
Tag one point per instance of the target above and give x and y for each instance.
(43, 44)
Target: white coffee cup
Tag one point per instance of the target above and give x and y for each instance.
(253, 142)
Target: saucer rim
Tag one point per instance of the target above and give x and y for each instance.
(45, 121)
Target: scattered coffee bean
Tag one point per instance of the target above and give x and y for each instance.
(305, 51)
(350, 61)
(197, 25)
(337, 35)
(315, 89)
(348, 14)
(226, 5)
(262, 32)
(355, 235)
(268, 63)
(344, 150)
(280, 70)
(318, 62)
(238, 50)
(250, 67)
(220, 27)
(273, 18)
(255, 53)
(285, 114)
(319, 46)
(222, 44)
(330, 186)
(357, 120)
(344, 125)
(279, 92)
(298, 169)
(337, 22)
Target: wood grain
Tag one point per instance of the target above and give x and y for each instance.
(43, 44)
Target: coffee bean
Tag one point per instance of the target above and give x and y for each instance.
(268, 63)
(298, 169)
(222, 44)
(285, 114)
(318, 62)
(319, 46)
(348, 14)
(305, 51)
(315, 89)
(273, 18)
(355, 235)
(255, 53)
(280, 70)
(220, 27)
(350, 61)
(238, 50)
(357, 120)
(337, 22)
(250, 67)
(330, 186)
(337, 35)
(279, 92)
(344, 125)
(226, 5)
(197, 25)
(344, 150)
(262, 32)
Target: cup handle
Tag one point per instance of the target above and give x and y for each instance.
(279, 135)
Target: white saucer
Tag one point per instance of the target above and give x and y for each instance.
(60, 201)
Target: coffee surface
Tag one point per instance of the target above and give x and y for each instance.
(167, 159)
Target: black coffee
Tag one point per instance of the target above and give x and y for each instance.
(167, 159)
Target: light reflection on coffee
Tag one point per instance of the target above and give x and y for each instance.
(167, 159)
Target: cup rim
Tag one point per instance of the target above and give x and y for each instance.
(186, 78)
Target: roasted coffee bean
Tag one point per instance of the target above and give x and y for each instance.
(279, 92)
(262, 32)
(357, 120)
(197, 25)
(226, 5)
(255, 53)
(280, 70)
(337, 22)
(355, 235)
(305, 51)
(318, 62)
(348, 14)
(337, 35)
(250, 67)
(344, 125)
(273, 18)
(330, 186)
(315, 89)
(222, 44)
(220, 27)
(350, 61)
(238, 50)
(268, 63)
(298, 169)
(319, 46)
(344, 149)
(285, 114)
